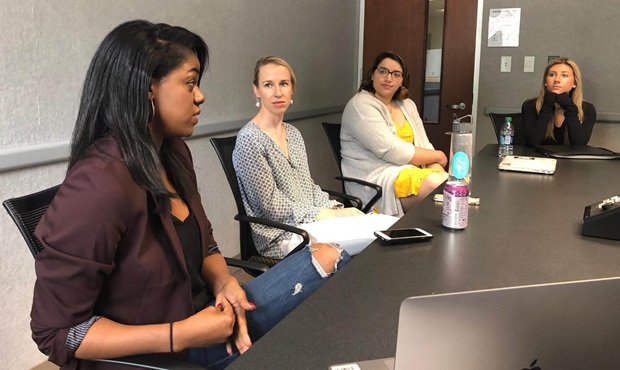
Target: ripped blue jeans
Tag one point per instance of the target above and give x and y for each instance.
(275, 293)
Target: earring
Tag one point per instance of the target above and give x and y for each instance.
(291, 101)
(152, 108)
(257, 102)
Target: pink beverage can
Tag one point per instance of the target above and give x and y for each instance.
(454, 215)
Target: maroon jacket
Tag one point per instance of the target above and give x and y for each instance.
(107, 252)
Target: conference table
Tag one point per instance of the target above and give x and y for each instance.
(526, 230)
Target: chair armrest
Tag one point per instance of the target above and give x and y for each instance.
(357, 201)
(264, 221)
(157, 361)
(259, 268)
(377, 188)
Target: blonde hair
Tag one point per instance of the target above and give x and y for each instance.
(576, 93)
(273, 60)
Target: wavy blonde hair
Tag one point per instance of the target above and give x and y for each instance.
(576, 93)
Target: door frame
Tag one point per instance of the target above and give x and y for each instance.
(478, 46)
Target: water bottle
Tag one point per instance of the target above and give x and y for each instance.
(461, 141)
(456, 191)
(506, 138)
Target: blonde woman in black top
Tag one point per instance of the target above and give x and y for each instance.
(559, 115)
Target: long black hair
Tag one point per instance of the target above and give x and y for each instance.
(115, 100)
(403, 92)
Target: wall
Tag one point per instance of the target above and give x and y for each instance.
(583, 31)
(45, 48)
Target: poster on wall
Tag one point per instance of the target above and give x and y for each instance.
(504, 27)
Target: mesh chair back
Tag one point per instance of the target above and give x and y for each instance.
(517, 122)
(224, 147)
(333, 136)
(27, 211)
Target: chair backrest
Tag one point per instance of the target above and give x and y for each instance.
(333, 136)
(517, 122)
(224, 147)
(26, 211)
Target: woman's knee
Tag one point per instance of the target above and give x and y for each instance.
(435, 179)
(326, 257)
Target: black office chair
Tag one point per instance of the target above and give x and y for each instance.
(517, 122)
(333, 135)
(224, 147)
(26, 211)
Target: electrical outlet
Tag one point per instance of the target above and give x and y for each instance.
(528, 64)
(505, 64)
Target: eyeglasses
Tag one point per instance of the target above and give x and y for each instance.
(383, 72)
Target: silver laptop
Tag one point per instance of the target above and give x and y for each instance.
(574, 325)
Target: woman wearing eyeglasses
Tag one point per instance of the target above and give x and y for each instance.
(383, 140)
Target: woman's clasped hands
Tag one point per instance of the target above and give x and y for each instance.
(224, 322)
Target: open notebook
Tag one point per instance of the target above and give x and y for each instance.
(528, 164)
(569, 325)
(351, 233)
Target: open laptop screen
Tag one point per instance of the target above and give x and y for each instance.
(572, 325)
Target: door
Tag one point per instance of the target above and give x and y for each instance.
(443, 86)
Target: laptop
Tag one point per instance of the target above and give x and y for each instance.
(576, 152)
(572, 325)
(528, 164)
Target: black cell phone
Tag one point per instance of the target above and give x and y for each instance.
(408, 235)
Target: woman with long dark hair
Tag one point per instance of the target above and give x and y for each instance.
(129, 264)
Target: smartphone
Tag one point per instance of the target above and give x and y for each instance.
(403, 235)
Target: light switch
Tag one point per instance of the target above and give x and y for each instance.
(528, 64)
(506, 64)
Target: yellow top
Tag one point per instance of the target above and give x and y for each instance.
(410, 178)
(405, 132)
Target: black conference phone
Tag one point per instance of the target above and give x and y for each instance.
(602, 219)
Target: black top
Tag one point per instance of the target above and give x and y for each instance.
(189, 236)
(535, 123)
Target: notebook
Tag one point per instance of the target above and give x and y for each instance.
(528, 164)
(571, 325)
(576, 152)
(351, 233)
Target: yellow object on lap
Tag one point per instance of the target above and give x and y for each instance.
(409, 180)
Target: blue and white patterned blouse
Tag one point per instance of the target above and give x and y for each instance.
(276, 187)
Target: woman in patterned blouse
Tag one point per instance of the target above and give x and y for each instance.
(272, 165)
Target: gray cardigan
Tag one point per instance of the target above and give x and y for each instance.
(372, 151)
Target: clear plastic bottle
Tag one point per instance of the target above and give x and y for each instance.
(506, 138)
(461, 141)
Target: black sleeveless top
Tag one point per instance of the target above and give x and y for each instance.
(189, 236)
